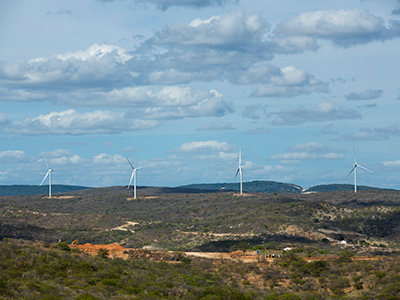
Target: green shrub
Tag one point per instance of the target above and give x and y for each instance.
(102, 253)
(86, 297)
(63, 246)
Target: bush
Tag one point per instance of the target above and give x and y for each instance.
(103, 253)
(63, 246)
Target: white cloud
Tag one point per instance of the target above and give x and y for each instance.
(231, 29)
(70, 122)
(325, 111)
(106, 159)
(391, 164)
(12, 156)
(291, 82)
(306, 156)
(206, 146)
(98, 66)
(366, 95)
(345, 27)
(377, 133)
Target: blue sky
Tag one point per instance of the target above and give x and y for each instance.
(179, 86)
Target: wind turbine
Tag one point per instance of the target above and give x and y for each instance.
(355, 166)
(49, 170)
(239, 171)
(133, 176)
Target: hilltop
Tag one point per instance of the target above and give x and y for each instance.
(256, 186)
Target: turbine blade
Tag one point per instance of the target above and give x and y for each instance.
(46, 161)
(240, 156)
(237, 172)
(354, 153)
(351, 171)
(47, 174)
(364, 168)
(130, 181)
(129, 162)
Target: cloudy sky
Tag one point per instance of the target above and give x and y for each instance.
(178, 86)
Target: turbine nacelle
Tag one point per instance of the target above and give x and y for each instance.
(240, 172)
(355, 166)
(49, 171)
(133, 176)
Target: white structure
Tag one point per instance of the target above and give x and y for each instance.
(133, 176)
(355, 166)
(49, 170)
(239, 170)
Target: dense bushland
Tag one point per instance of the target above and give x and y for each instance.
(53, 271)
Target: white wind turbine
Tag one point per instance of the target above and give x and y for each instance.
(49, 170)
(355, 166)
(240, 172)
(133, 176)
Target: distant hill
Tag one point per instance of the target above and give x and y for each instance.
(13, 190)
(256, 186)
(341, 187)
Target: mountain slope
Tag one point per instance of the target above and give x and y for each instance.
(13, 190)
(257, 186)
(342, 187)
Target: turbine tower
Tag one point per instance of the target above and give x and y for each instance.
(133, 176)
(355, 166)
(240, 172)
(49, 170)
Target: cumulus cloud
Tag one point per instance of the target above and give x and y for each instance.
(205, 146)
(212, 104)
(234, 29)
(98, 66)
(291, 82)
(306, 156)
(70, 122)
(345, 27)
(325, 111)
(12, 156)
(377, 133)
(216, 127)
(366, 95)
(152, 107)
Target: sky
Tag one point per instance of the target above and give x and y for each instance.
(179, 86)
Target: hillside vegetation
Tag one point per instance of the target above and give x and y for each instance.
(54, 271)
(36, 262)
(208, 222)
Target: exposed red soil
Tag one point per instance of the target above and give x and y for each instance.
(116, 250)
